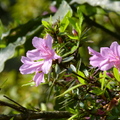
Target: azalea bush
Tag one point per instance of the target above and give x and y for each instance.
(71, 60)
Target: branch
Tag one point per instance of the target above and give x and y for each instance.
(91, 22)
(28, 114)
(37, 115)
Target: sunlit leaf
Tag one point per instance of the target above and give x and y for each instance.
(29, 84)
(81, 80)
(69, 90)
(73, 67)
(2, 29)
(73, 37)
(79, 25)
(102, 79)
(116, 74)
(73, 117)
(64, 22)
(45, 23)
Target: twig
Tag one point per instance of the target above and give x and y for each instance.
(17, 108)
(37, 115)
(28, 114)
(14, 101)
(93, 23)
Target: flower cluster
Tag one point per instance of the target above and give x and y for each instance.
(107, 58)
(40, 59)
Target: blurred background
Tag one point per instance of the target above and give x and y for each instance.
(21, 11)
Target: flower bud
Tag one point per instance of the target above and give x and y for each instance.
(74, 32)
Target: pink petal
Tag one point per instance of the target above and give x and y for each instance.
(39, 43)
(49, 41)
(104, 51)
(39, 78)
(24, 69)
(118, 49)
(34, 54)
(30, 67)
(57, 57)
(93, 52)
(114, 47)
(46, 66)
(106, 65)
(96, 59)
(25, 60)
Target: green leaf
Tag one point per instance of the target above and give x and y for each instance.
(9, 51)
(12, 118)
(82, 81)
(69, 90)
(72, 22)
(97, 91)
(73, 67)
(64, 22)
(73, 49)
(67, 59)
(57, 69)
(116, 74)
(102, 79)
(79, 25)
(73, 116)
(2, 28)
(45, 23)
(73, 111)
(29, 84)
(73, 37)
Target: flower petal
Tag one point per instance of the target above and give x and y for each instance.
(49, 41)
(106, 65)
(114, 47)
(25, 60)
(93, 52)
(30, 67)
(38, 78)
(105, 52)
(34, 54)
(46, 66)
(39, 43)
(57, 57)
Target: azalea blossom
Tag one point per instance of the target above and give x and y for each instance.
(39, 60)
(107, 58)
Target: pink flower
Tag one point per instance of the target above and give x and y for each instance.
(107, 58)
(40, 59)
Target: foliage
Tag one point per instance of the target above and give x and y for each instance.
(71, 85)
